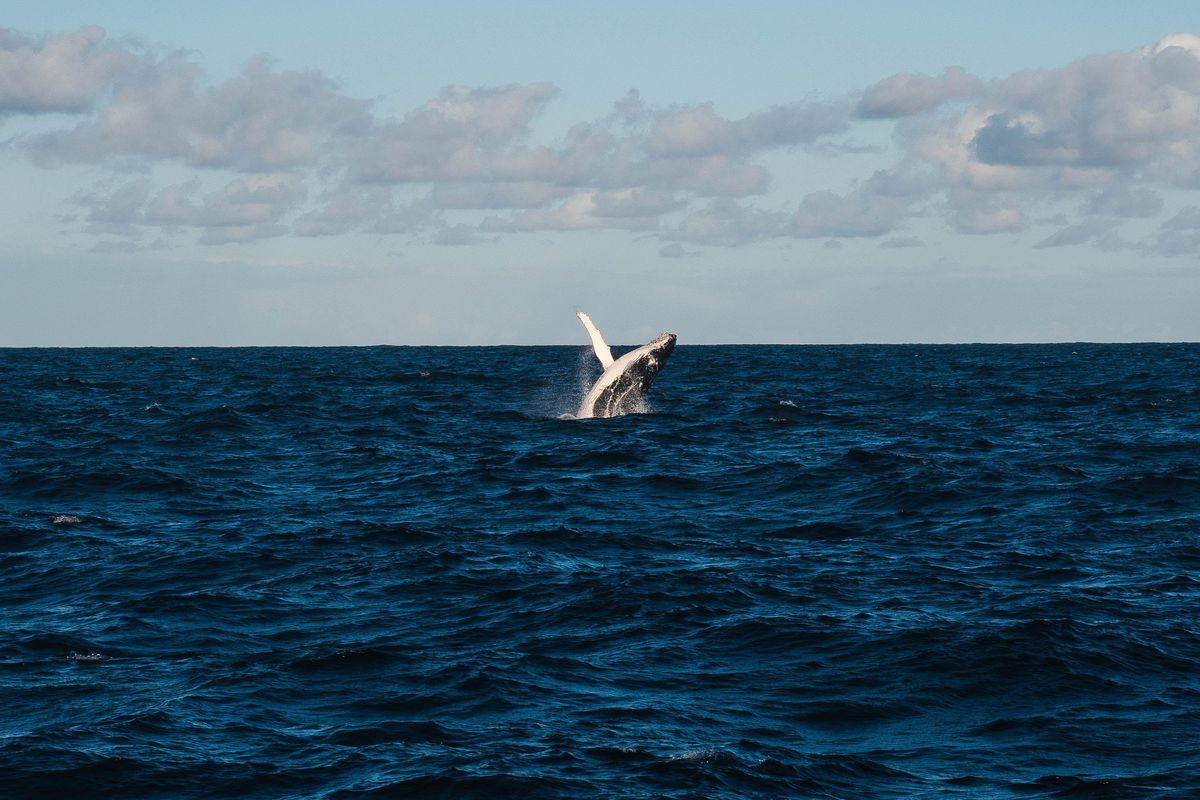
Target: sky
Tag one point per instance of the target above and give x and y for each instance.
(474, 173)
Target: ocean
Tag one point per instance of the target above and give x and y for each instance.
(832, 572)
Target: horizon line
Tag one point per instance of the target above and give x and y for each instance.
(586, 345)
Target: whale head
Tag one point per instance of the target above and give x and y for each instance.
(655, 358)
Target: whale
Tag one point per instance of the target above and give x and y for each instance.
(625, 380)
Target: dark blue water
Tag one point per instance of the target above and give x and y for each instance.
(835, 572)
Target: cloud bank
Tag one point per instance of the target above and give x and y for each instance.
(274, 152)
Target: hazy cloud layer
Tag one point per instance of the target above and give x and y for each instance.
(271, 152)
(244, 209)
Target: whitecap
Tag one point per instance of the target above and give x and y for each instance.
(706, 756)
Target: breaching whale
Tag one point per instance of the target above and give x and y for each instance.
(626, 379)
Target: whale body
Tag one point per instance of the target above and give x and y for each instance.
(619, 390)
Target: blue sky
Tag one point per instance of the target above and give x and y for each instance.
(472, 173)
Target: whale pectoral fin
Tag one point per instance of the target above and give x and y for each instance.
(603, 352)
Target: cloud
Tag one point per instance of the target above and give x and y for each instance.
(636, 202)
(1107, 129)
(411, 217)
(856, 213)
(979, 221)
(1115, 114)
(908, 93)
(468, 146)
(705, 176)
(699, 131)
(173, 205)
(1179, 235)
(245, 209)
(622, 171)
(1188, 218)
(1123, 200)
(728, 223)
(462, 134)
(65, 73)
(479, 156)
(691, 148)
(115, 211)
(1016, 142)
(252, 200)
(260, 121)
(1102, 138)
(693, 131)
(343, 210)
(227, 234)
(984, 214)
(873, 208)
(626, 209)
(496, 194)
